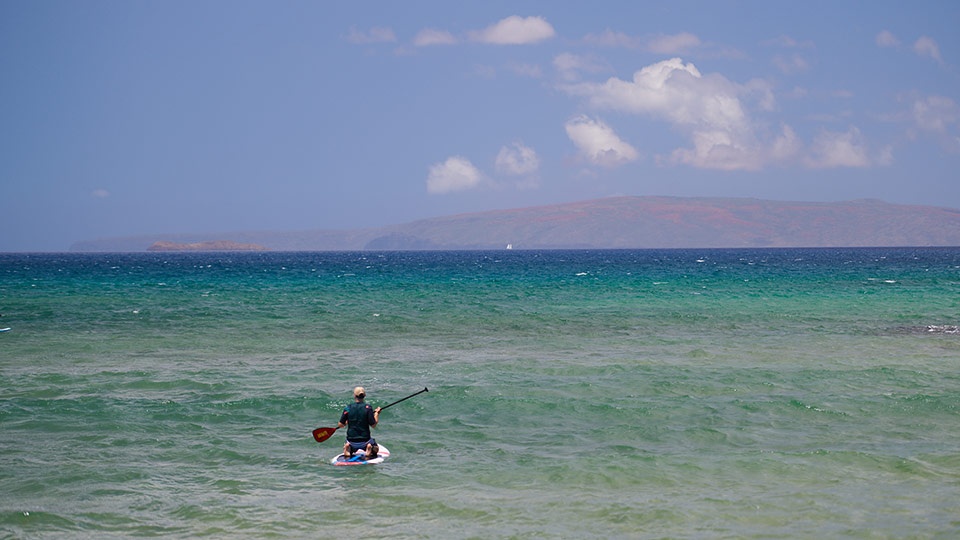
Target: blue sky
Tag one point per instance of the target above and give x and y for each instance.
(129, 118)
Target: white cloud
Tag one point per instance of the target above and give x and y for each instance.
(935, 114)
(832, 149)
(716, 116)
(430, 36)
(517, 160)
(887, 39)
(649, 92)
(598, 143)
(515, 30)
(719, 150)
(454, 174)
(939, 117)
(786, 146)
(674, 44)
(100, 193)
(708, 109)
(925, 46)
(377, 34)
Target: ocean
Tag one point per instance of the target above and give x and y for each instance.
(779, 393)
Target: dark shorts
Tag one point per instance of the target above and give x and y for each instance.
(354, 446)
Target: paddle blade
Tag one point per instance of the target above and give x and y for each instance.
(323, 433)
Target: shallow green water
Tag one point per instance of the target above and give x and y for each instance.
(617, 394)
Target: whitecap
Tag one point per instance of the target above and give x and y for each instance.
(943, 329)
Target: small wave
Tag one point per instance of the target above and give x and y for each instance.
(928, 329)
(943, 329)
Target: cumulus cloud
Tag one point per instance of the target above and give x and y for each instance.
(454, 174)
(377, 34)
(706, 108)
(925, 46)
(517, 160)
(716, 115)
(430, 36)
(648, 91)
(598, 143)
(515, 30)
(786, 146)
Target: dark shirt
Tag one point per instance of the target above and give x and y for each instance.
(359, 419)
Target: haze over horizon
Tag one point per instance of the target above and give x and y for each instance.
(137, 118)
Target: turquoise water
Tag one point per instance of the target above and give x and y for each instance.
(573, 394)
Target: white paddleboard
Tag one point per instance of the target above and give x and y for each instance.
(357, 458)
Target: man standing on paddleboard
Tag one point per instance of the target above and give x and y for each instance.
(359, 418)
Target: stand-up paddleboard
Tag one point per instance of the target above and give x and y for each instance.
(4, 329)
(358, 459)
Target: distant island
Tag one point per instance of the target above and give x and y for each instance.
(611, 223)
(214, 245)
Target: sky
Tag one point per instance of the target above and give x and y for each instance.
(162, 117)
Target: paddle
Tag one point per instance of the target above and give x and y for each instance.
(324, 433)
